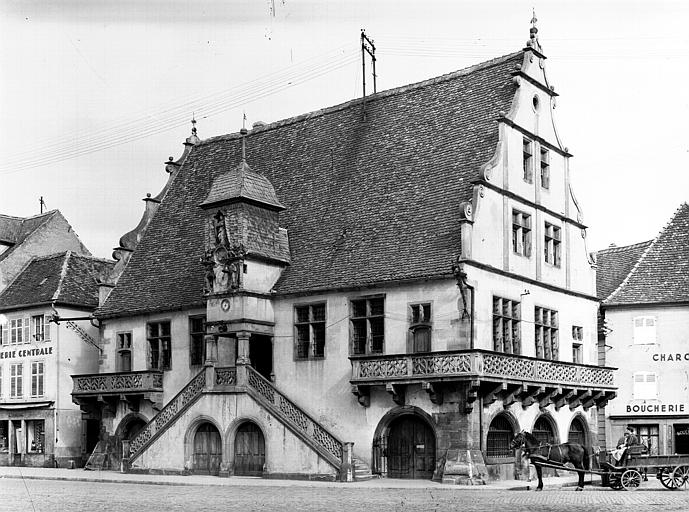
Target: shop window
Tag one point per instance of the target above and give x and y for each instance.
(159, 346)
(4, 436)
(37, 378)
(16, 380)
(528, 160)
(649, 436)
(35, 436)
(124, 351)
(577, 344)
(506, 326)
(40, 328)
(546, 327)
(499, 437)
(545, 168)
(521, 233)
(309, 328)
(644, 330)
(681, 438)
(367, 325)
(197, 340)
(420, 327)
(551, 245)
(645, 386)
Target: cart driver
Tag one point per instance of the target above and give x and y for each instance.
(627, 440)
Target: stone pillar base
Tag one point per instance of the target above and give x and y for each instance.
(463, 467)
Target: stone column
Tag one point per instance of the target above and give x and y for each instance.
(211, 341)
(243, 338)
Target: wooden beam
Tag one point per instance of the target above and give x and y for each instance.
(546, 398)
(511, 396)
(579, 398)
(564, 398)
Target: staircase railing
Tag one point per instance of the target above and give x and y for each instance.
(326, 444)
(154, 428)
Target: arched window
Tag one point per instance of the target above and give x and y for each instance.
(543, 431)
(500, 436)
(577, 432)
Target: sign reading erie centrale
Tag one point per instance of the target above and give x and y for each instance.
(26, 352)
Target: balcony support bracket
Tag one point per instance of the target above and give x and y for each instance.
(435, 392)
(363, 394)
(565, 398)
(492, 394)
(546, 398)
(396, 391)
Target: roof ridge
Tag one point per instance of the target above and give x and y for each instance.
(623, 247)
(379, 95)
(646, 251)
(63, 274)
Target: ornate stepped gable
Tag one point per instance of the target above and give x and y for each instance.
(366, 202)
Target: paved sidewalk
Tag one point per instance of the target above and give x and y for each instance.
(383, 483)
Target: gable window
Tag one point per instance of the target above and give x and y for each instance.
(16, 380)
(577, 343)
(37, 372)
(420, 326)
(40, 328)
(552, 244)
(521, 233)
(545, 168)
(197, 341)
(506, 326)
(644, 330)
(124, 351)
(309, 327)
(645, 386)
(159, 346)
(19, 331)
(528, 160)
(367, 324)
(545, 323)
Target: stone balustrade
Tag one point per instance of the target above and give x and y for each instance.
(117, 383)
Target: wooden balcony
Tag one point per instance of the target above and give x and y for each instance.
(490, 375)
(146, 384)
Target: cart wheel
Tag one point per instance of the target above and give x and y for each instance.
(615, 482)
(681, 477)
(631, 479)
(666, 478)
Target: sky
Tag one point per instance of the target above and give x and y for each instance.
(96, 95)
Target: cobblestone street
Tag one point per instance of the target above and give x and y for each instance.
(50, 495)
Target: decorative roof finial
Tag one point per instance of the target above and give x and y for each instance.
(243, 133)
(533, 33)
(193, 124)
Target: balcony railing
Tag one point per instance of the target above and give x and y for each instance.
(475, 364)
(117, 383)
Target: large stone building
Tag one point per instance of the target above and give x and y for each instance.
(39, 423)
(399, 284)
(645, 288)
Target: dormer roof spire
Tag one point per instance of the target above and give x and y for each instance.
(533, 34)
(243, 133)
(193, 139)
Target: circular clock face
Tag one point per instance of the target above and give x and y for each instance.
(225, 305)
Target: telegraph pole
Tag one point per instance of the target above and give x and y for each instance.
(367, 46)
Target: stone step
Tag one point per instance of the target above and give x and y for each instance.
(361, 470)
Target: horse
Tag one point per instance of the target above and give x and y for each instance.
(539, 453)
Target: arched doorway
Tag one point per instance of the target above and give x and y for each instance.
(577, 432)
(410, 448)
(543, 430)
(500, 434)
(249, 450)
(207, 453)
(132, 428)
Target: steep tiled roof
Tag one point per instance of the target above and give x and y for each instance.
(366, 202)
(64, 278)
(242, 183)
(662, 273)
(614, 264)
(14, 230)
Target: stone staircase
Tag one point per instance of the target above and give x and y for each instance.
(362, 471)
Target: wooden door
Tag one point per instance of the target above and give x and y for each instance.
(411, 449)
(249, 451)
(207, 450)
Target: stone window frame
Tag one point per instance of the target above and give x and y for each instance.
(123, 349)
(521, 233)
(373, 321)
(160, 340)
(527, 159)
(546, 331)
(552, 248)
(510, 319)
(197, 337)
(310, 330)
(544, 161)
(420, 318)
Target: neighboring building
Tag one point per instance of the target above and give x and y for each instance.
(646, 310)
(24, 238)
(402, 288)
(39, 424)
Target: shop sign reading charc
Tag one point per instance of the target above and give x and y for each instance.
(26, 352)
(669, 356)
